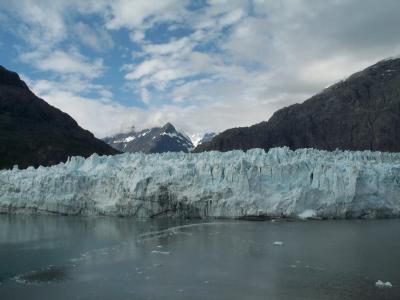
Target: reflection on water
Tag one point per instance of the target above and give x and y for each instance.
(48, 257)
(47, 275)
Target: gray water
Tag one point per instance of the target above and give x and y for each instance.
(55, 257)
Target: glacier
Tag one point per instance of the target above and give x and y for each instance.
(236, 184)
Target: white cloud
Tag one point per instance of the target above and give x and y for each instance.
(175, 46)
(169, 63)
(92, 114)
(95, 38)
(139, 13)
(137, 36)
(238, 62)
(62, 62)
(145, 68)
(231, 17)
(273, 58)
(43, 24)
(73, 84)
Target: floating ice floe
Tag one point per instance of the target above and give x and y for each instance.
(307, 214)
(161, 252)
(381, 284)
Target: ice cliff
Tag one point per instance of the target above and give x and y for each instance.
(281, 182)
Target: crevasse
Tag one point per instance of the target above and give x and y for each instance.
(302, 183)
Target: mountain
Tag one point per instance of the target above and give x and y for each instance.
(359, 113)
(153, 140)
(34, 133)
(206, 138)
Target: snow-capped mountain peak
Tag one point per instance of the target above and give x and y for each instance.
(152, 140)
(206, 138)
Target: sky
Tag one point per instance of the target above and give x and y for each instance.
(201, 65)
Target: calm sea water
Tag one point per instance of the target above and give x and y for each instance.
(54, 257)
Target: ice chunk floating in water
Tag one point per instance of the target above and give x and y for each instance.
(307, 214)
(381, 284)
(303, 183)
(161, 252)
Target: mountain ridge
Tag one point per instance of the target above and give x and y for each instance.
(359, 113)
(34, 133)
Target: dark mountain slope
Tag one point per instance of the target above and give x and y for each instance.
(360, 113)
(34, 133)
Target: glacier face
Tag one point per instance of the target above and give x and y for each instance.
(280, 182)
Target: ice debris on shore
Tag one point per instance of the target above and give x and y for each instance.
(279, 183)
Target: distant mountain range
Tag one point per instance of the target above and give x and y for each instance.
(359, 113)
(153, 140)
(34, 133)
